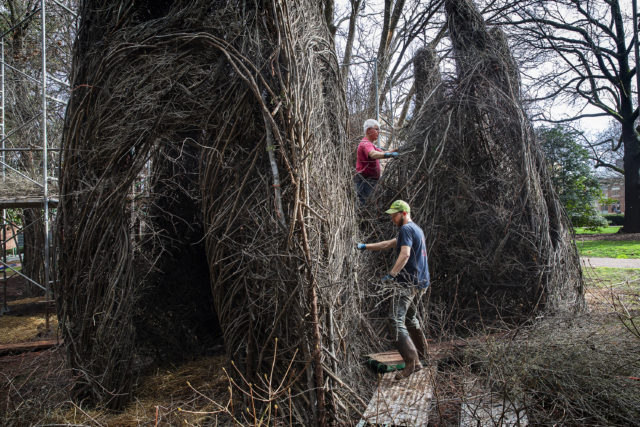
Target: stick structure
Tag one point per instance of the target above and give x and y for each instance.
(499, 242)
(204, 153)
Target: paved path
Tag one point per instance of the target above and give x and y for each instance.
(611, 262)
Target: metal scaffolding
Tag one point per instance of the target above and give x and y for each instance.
(46, 200)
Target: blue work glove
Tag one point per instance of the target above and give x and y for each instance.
(362, 246)
(393, 154)
(388, 279)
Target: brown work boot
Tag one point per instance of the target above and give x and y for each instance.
(420, 342)
(409, 355)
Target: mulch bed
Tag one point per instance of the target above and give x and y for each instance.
(32, 384)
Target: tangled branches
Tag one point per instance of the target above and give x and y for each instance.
(205, 165)
(235, 110)
(500, 246)
(563, 371)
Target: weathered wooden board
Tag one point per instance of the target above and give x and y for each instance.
(27, 346)
(386, 362)
(402, 403)
(25, 202)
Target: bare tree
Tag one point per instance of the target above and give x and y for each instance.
(590, 48)
(605, 150)
(376, 49)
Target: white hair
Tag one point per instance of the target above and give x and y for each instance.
(369, 123)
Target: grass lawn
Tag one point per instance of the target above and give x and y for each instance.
(609, 249)
(11, 272)
(601, 230)
(605, 276)
(614, 290)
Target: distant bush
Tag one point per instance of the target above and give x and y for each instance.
(589, 220)
(614, 219)
(571, 173)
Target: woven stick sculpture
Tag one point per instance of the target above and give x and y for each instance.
(234, 116)
(499, 242)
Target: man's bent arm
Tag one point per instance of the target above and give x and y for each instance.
(381, 246)
(403, 257)
(375, 155)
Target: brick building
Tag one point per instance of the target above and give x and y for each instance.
(612, 188)
(11, 242)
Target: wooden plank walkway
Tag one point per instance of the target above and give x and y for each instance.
(408, 402)
(6, 349)
(402, 403)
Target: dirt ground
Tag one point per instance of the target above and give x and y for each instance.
(35, 387)
(16, 288)
(26, 320)
(610, 236)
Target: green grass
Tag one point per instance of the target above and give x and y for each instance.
(609, 249)
(601, 230)
(11, 272)
(617, 289)
(606, 276)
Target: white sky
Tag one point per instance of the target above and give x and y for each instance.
(591, 126)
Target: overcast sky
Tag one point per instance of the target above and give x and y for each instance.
(591, 126)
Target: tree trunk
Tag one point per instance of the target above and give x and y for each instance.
(392, 13)
(351, 34)
(630, 139)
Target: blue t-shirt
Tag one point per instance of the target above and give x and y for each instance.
(416, 271)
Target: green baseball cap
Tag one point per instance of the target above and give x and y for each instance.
(399, 206)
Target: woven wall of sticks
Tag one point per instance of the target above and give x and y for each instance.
(499, 241)
(235, 113)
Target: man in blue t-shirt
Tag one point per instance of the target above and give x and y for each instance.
(409, 278)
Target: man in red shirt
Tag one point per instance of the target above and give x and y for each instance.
(368, 161)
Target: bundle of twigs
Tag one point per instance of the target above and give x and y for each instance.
(499, 241)
(235, 111)
(279, 212)
(562, 371)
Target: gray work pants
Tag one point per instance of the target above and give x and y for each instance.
(402, 310)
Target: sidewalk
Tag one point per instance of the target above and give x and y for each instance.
(610, 262)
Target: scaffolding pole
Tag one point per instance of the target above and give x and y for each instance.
(45, 161)
(45, 200)
(4, 308)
